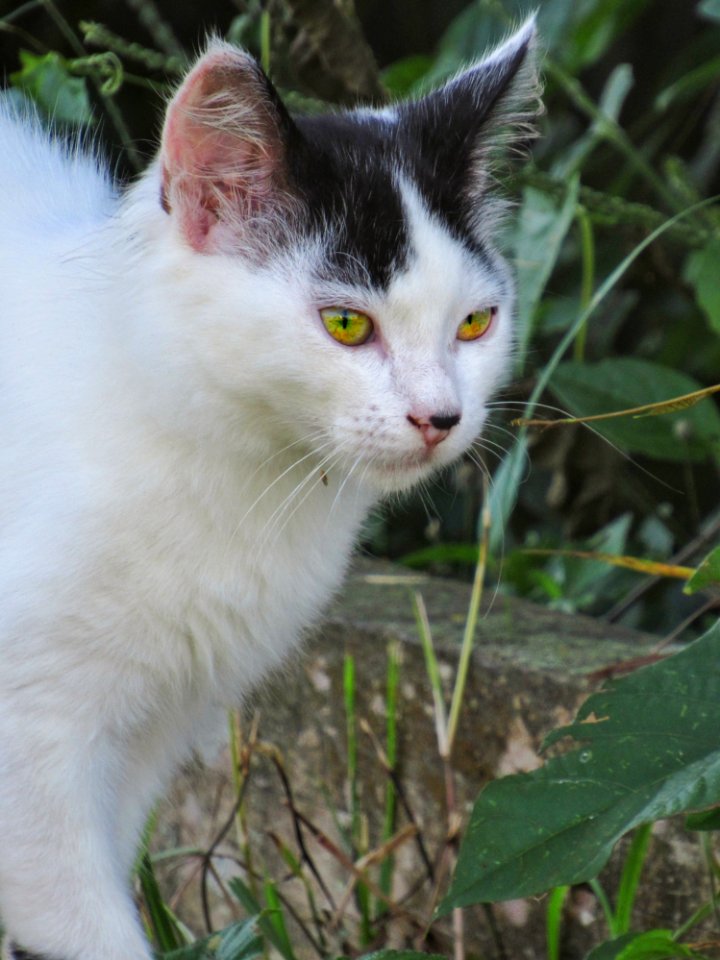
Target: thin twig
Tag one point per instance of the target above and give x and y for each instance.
(358, 872)
(297, 820)
(700, 542)
(108, 103)
(402, 796)
(208, 855)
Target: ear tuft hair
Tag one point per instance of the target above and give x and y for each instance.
(224, 149)
(479, 114)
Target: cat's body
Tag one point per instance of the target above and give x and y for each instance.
(187, 452)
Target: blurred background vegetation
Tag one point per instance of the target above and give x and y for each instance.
(630, 139)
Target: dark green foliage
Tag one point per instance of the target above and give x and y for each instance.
(707, 574)
(623, 382)
(238, 941)
(47, 81)
(653, 945)
(643, 748)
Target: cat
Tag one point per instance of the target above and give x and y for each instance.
(206, 381)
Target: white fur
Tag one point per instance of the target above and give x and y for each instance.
(166, 422)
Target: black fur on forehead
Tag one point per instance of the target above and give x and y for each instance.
(347, 166)
(346, 178)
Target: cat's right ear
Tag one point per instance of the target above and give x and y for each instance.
(223, 152)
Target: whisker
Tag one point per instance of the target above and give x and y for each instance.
(276, 517)
(489, 446)
(296, 463)
(350, 472)
(277, 522)
(629, 458)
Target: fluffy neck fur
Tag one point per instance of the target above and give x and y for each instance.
(187, 453)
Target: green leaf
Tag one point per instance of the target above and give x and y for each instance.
(541, 228)
(630, 878)
(652, 945)
(583, 580)
(709, 9)
(621, 382)
(194, 951)
(575, 33)
(689, 85)
(610, 949)
(503, 492)
(162, 922)
(643, 748)
(707, 574)
(275, 916)
(704, 821)
(238, 941)
(701, 271)
(263, 921)
(596, 25)
(406, 75)
(466, 553)
(48, 81)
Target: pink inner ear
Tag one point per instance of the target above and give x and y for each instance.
(221, 148)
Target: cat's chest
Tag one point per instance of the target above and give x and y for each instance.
(229, 585)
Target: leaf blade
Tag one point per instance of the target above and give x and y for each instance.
(626, 383)
(645, 747)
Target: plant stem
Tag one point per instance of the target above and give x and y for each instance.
(357, 841)
(553, 921)
(157, 26)
(391, 700)
(609, 210)
(109, 104)
(587, 283)
(468, 641)
(431, 665)
(607, 909)
(458, 934)
(602, 291)
(611, 131)
(351, 734)
(632, 868)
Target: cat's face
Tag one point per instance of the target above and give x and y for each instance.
(365, 317)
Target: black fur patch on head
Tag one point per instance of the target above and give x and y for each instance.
(337, 177)
(443, 186)
(345, 177)
(344, 168)
(448, 137)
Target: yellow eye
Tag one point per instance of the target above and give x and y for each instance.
(349, 327)
(476, 324)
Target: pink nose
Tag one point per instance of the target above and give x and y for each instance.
(435, 428)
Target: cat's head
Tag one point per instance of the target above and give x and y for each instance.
(340, 269)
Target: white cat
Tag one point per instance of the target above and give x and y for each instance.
(205, 383)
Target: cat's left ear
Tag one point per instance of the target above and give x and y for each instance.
(223, 154)
(487, 108)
